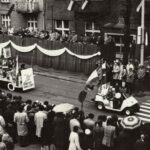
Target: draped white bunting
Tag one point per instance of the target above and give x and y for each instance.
(2, 45)
(82, 56)
(52, 53)
(23, 49)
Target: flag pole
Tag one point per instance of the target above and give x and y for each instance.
(17, 65)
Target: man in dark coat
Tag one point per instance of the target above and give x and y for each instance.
(59, 131)
(10, 126)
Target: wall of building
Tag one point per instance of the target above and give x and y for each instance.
(19, 19)
(41, 21)
(57, 10)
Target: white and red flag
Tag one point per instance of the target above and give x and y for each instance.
(94, 79)
(84, 4)
(70, 6)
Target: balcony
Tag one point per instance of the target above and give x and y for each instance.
(27, 7)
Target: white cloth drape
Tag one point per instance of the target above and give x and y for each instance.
(82, 56)
(23, 49)
(2, 45)
(52, 53)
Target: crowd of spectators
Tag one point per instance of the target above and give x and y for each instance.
(130, 78)
(55, 35)
(30, 121)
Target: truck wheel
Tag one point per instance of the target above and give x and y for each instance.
(10, 87)
(100, 106)
(128, 111)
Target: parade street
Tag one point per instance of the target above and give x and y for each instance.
(65, 89)
(58, 91)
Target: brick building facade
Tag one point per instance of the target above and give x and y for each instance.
(22, 13)
(99, 16)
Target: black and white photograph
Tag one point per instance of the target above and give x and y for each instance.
(74, 75)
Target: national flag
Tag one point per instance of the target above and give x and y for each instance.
(94, 78)
(70, 5)
(84, 4)
(10, 9)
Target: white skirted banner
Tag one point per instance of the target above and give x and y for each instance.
(23, 49)
(52, 53)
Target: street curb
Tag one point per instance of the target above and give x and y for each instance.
(61, 77)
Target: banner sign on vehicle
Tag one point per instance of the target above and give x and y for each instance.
(27, 79)
(7, 52)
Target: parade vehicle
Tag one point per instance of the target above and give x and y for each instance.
(12, 75)
(119, 103)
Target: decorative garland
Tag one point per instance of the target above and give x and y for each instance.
(52, 53)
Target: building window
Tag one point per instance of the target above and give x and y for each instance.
(5, 1)
(62, 25)
(32, 22)
(119, 42)
(6, 21)
(91, 27)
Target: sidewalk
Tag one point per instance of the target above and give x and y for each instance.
(30, 147)
(60, 74)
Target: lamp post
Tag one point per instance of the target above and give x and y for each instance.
(142, 7)
(143, 32)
